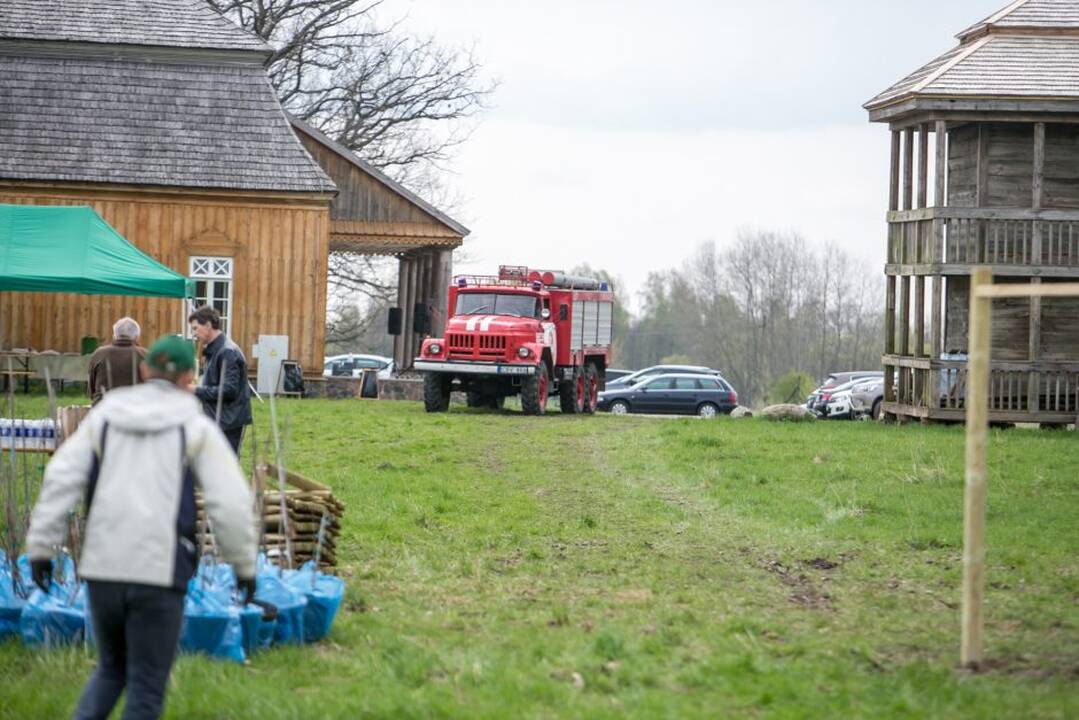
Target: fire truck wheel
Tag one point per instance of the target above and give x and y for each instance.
(591, 389)
(571, 393)
(619, 407)
(436, 392)
(534, 392)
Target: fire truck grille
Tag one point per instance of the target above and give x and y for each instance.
(461, 343)
(476, 345)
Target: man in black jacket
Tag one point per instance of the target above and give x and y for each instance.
(224, 378)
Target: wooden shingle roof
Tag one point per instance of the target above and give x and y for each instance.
(142, 123)
(142, 92)
(1026, 52)
(1044, 14)
(169, 23)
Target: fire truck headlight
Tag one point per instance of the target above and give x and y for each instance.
(524, 352)
(434, 349)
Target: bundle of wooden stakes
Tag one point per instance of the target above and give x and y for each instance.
(308, 528)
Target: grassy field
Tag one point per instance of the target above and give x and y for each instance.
(504, 566)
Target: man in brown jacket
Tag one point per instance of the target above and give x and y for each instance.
(117, 364)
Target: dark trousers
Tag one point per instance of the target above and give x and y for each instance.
(235, 436)
(136, 630)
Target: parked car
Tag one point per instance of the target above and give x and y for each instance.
(701, 394)
(818, 399)
(838, 406)
(648, 372)
(613, 374)
(866, 398)
(353, 365)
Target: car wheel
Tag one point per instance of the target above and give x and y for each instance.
(619, 407)
(707, 410)
(875, 412)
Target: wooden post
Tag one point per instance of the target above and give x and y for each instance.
(919, 316)
(977, 410)
(908, 168)
(982, 187)
(889, 336)
(935, 333)
(1034, 350)
(1039, 165)
(940, 182)
(402, 288)
(893, 190)
(904, 336)
(923, 165)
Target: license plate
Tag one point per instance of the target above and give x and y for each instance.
(514, 370)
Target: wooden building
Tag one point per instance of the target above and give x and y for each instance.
(373, 215)
(1000, 187)
(161, 117)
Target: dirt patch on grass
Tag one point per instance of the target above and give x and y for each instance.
(803, 592)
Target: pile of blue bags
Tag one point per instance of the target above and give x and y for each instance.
(290, 607)
(57, 617)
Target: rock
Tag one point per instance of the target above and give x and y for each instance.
(794, 413)
(741, 412)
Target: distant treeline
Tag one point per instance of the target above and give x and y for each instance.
(766, 306)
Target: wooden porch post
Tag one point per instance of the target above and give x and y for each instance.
(443, 269)
(908, 168)
(904, 336)
(977, 411)
(402, 287)
(893, 175)
(1035, 329)
(923, 165)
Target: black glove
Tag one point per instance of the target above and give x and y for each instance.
(41, 572)
(246, 586)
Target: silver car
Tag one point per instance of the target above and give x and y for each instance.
(866, 398)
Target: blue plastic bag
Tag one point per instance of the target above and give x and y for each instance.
(211, 624)
(290, 606)
(251, 622)
(324, 594)
(56, 618)
(12, 598)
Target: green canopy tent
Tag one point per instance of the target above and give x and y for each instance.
(54, 248)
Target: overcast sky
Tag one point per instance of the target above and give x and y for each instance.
(624, 134)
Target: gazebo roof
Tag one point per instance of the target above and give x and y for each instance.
(1026, 54)
(142, 92)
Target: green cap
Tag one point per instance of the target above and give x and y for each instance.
(171, 353)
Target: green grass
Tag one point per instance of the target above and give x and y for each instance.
(504, 566)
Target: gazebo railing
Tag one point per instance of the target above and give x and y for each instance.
(928, 387)
(950, 236)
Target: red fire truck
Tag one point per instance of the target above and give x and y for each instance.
(525, 332)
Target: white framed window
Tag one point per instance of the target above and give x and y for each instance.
(213, 285)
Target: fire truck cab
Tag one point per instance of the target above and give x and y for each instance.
(525, 332)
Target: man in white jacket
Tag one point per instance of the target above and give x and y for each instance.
(135, 460)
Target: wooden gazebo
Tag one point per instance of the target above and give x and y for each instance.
(1002, 111)
(374, 215)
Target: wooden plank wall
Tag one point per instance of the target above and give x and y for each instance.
(1059, 338)
(963, 166)
(361, 195)
(1060, 186)
(279, 278)
(1010, 166)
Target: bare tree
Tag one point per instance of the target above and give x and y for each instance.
(403, 103)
